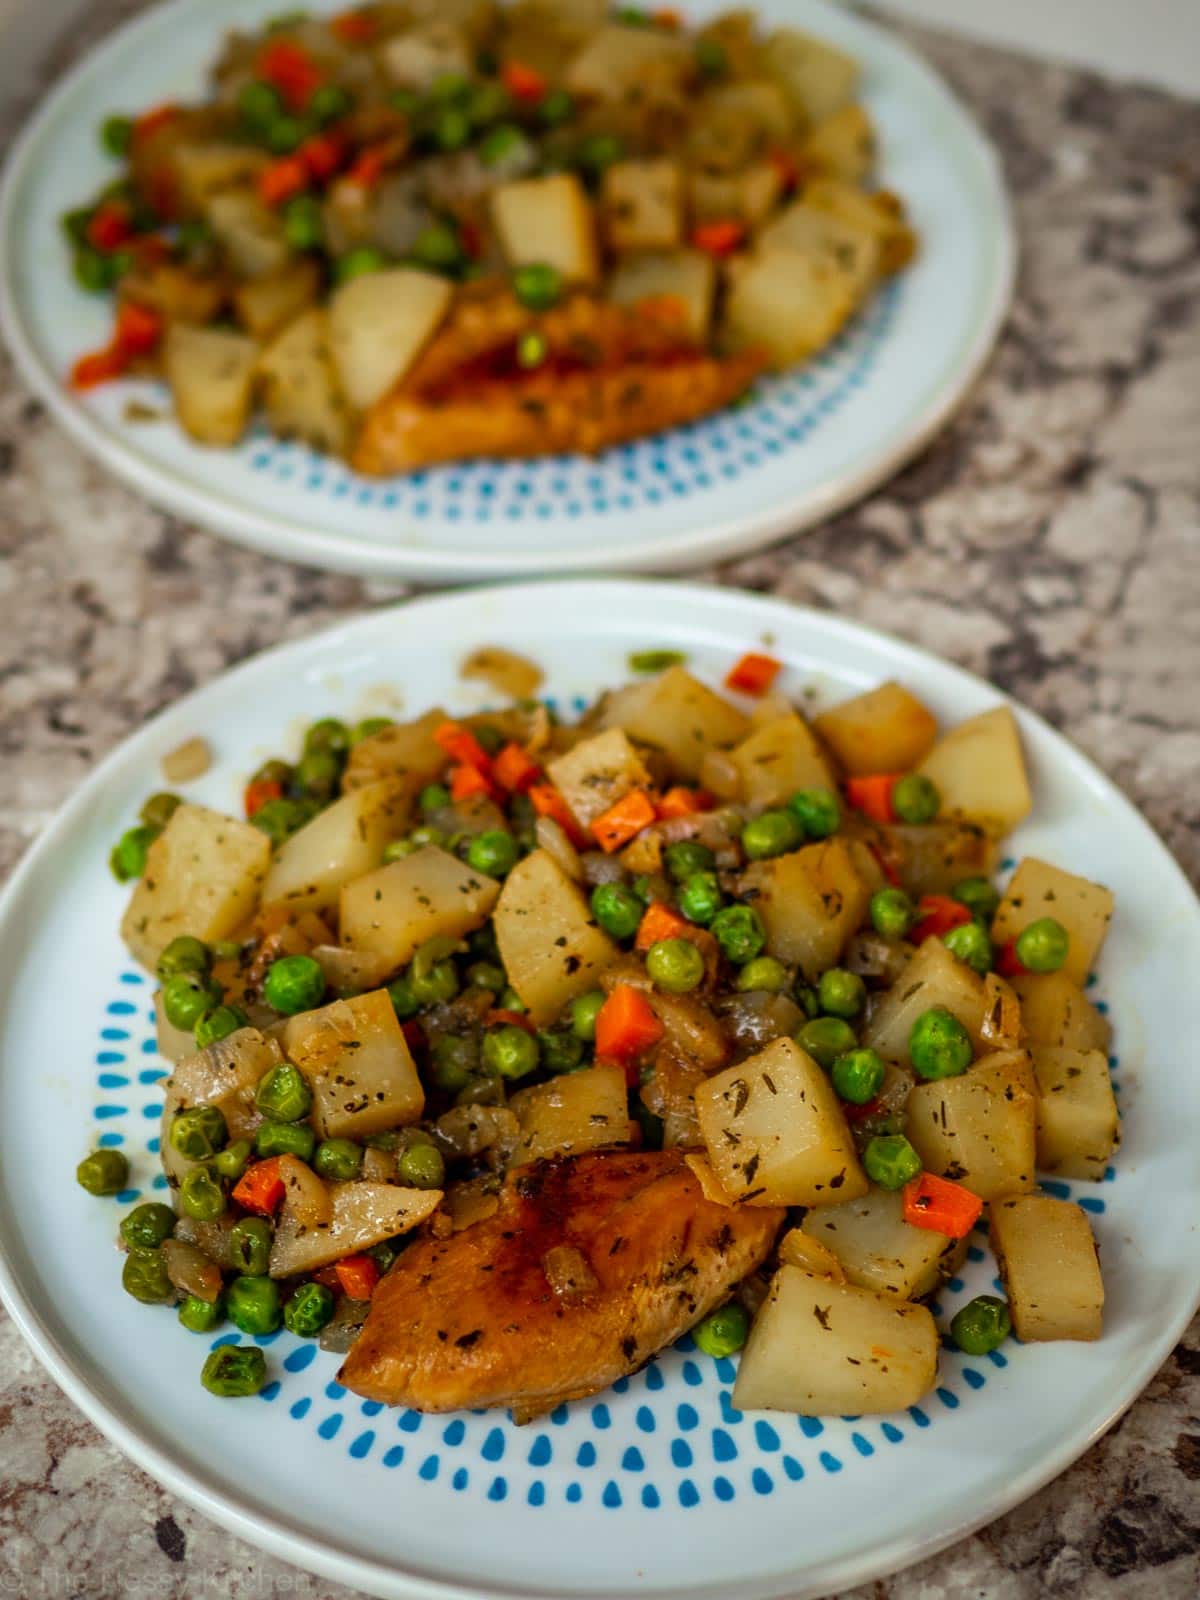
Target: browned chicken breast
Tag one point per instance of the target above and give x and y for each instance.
(591, 1264)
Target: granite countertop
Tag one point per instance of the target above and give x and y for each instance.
(1049, 540)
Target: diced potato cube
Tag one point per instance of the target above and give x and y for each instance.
(301, 393)
(358, 1065)
(757, 103)
(810, 901)
(851, 250)
(980, 772)
(787, 303)
(225, 1075)
(417, 58)
(596, 773)
(884, 730)
(687, 277)
(1084, 908)
(979, 1128)
(551, 945)
(616, 57)
(574, 1112)
(932, 978)
(405, 751)
(265, 306)
(1077, 1121)
(643, 205)
(932, 857)
(778, 758)
(204, 167)
(341, 843)
(750, 193)
(203, 876)
(378, 325)
(211, 377)
(363, 1214)
(1055, 1011)
(250, 234)
(548, 220)
(392, 911)
(819, 78)
(775, 1131)
(879, 212)
(677, 714)
(1051, 1271)
(842, 146)
(824, 1348)
(799, 1249)
(878, 1250)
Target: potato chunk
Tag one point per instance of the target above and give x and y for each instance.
(932, 978)
(339, 844)
(799, 1249)
(851, 249)
(250, 234)
(979, 1128)
(1085, 910)
(203, 876)
(884, 730)
(677, 714)
(301, 393)
(878, 1250)
(265, 306)
(574, 1112)
(363, 1214)
(778, 758)
(818, 78)
(1077, 1121)
(1055, 1011)
(378, 325)
(824, 1348)
(225, 1075)
(842, 146)
(617, 57)
(550, 944)
(393, 910)
(1050, 1268)
(686, 277)
(597, 773)
(643, 205)
(980, 773)
(548, 220)
(788, 303)
(211, 377)
(358, 1065)
(406, 750)
(810, 901)
(775, 1131)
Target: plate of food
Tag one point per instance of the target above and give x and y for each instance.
(642, 1073)
(455, 290)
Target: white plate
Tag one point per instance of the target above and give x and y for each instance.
(809, 442)
(658, 1489)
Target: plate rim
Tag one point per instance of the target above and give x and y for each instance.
(269, 1530)
(309, 544)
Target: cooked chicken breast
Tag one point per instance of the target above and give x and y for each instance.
(591, 1264)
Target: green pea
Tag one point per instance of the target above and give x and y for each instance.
(555, 108)
(427, 834)
(532, 350)
(159, 808)
(368, 728)
(980, 897)
(194, 237)
(201, 1196)
(655, 660)
(228, 949)
(184, 954)
(318, 773)
(274, 771)
(144, 1276)
(683, 859)
(218, 1025)
(597, 153)
(103, 1172)
(436, 984)
(404, 1001)
(501, 144)
(438, 247)
(201, 1316)
(722, 1332)
(700, 898)
(250, 1246)
(358, 262)
(817, 811)
(399, 849)
(406, 101)
(303, 223)
(915, 798)
(259, 105)
(739, 932)
(285, 1139)
(1043, 945)
(970, 943)
(283, 1093)
(771, 834)
(284, 134)
(75, 224)
(585, 1008)
(938, 1045)
(309, 1309)
(328, 103)
(805, 997)
(451, 128)
(385, 1254)
(538, 286)
(711, 59)
(890, 1161)
(147, 1225)
(128, 858)
(617, 909)
(252, 1305)
(198, 1133)
(189, 996)
(433, 797)
(509, 1052)
(763, 973)
(981, 1325)
(486, 975)
(339, 1160)
(675, 965)
(294, 984)
(490, 737)
(234, 1371)
(488, 103)
(233, 1160)
(116, 135)
(858, 1076)
(93, 270)
(892, 913)
(560, 1052)
(452, 1061)
(421, 1166)
(841, 993)
(280, 818)
(494, 853)
(825, 1039)
(509, 1000)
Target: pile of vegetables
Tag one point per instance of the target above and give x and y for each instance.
(436, 950)
(293, 244)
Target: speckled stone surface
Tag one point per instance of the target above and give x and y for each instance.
(1050, 540)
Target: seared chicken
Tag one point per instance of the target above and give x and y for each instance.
(591, 1264)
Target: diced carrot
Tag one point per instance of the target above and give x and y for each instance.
(941, 1206)
(151, 121)
(720, 238)
(282, 180)
(681, 801)
(660, 922)
(322, 156)
(260, 1188)
(514, 769)
(872, 795)
(139, 328)
(1009, 963)
(754, 674)
(548, 802)
(626, 1025)
(470, 236)
(467, 781)
(110, 226)
(258, 793)
(522, 82)
(368, 166)
(99, 366)
(936, 915)
(461, 745)
(288, 67)
(500, 1018)
(328, 1277)
(354, 27)
(621, 822)
(357, 1275)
